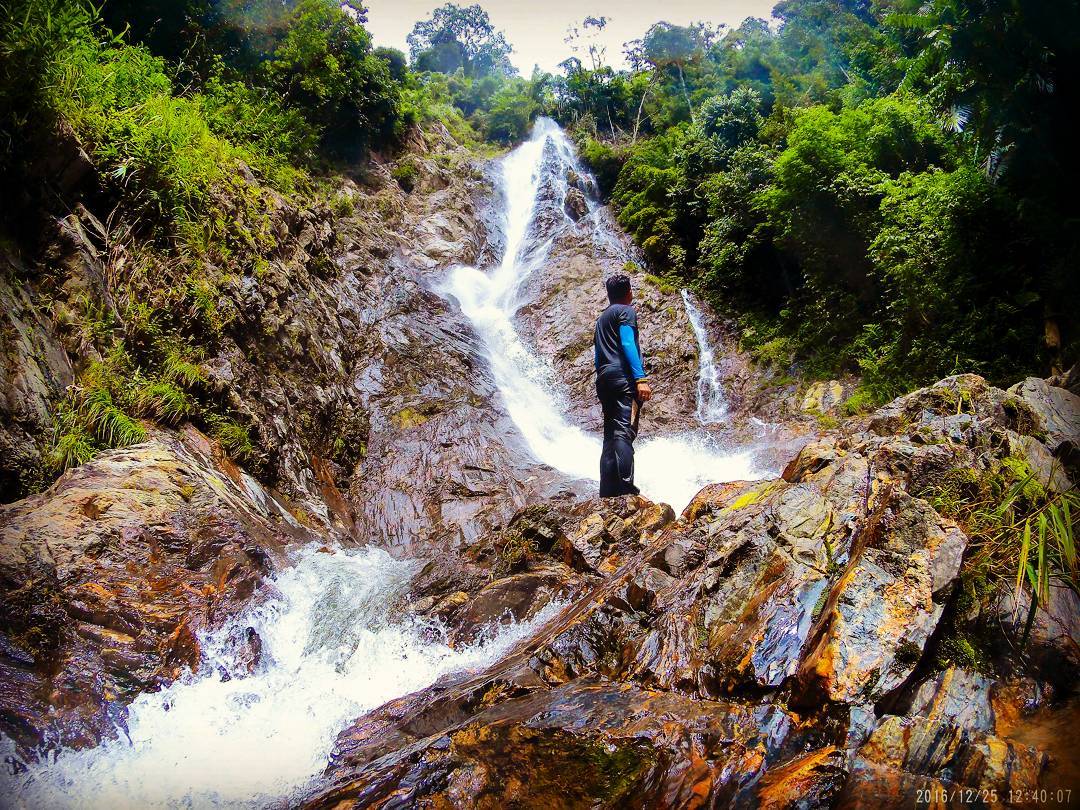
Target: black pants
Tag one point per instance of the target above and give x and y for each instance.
(617, 398)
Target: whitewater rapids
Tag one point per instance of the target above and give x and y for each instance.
(331, 651)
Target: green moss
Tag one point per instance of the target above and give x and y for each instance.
(964, 652)
(861, 401)
(749, 498)
(666, 287)
(409, 418)
(907, 653)
(826, 421)
(1016, 471)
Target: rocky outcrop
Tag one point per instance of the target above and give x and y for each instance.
(786, 631)
(367, 394)
(108, 578)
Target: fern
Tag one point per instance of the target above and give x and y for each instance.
(109, 423)
(178, 368)
(234, 438)
(71, 444)
(161, 399)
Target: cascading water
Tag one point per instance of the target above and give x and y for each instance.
(711, 404)
(669, 468)
(330, 652)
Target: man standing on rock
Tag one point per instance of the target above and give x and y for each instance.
(621, 386)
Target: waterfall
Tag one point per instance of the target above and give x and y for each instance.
(711, 404)
(331, 647)
(670, 468)
(331, 650)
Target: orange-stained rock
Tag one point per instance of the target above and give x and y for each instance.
(888, 601)
(908, 757)
(108, 577)
(581, 745)
(811, 780)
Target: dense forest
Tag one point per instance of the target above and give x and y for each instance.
(881, 188)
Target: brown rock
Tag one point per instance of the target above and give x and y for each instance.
(108, 577)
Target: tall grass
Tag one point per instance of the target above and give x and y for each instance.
(175, 156)
(1021, 533)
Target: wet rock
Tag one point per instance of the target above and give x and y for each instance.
(809, 781)
(244, 649)
(107, 578)
(906, 758)
(1057, 414)
(955, 696)
(34, 370)
(823, 397)
(575, 204)
(580, 745)
(517, 598)
(1051, 643)
(881, 612)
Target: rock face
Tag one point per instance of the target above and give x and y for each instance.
(763, 649)
(108, 577)
(369, 397)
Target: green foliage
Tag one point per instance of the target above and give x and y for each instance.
(71, 443)
(161, 400)
(324, 68)
(234, 438)
(605, 162)
(885, 185)
(405, 172)
(1020, 532)
(277, 136)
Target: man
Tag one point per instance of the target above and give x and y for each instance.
(621, 386)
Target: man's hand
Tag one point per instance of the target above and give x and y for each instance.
(644, 391)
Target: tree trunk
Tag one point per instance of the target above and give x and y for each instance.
(686, 95)
(637, 121)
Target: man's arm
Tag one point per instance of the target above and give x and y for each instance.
(637, 370)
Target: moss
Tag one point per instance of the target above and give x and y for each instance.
(964, 652)
(575, 348)
(409, 418)
(666, 287)
(826, 421)
(1017, 472)
(861, 401)
(749, 498)
(907, 653)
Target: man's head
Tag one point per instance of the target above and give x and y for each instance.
(618, 289)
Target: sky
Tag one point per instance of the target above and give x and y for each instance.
(537, 29)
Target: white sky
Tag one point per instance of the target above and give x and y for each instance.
(536, 29)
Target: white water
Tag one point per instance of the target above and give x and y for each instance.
(671, 468)
(711, 403)
(331, 652)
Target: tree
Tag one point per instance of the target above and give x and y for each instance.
(665, 46)
(587, 38)
(460, 37)
(324, 67)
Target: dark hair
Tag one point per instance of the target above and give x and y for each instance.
(618, 287)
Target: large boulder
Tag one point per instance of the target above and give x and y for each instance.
(108, 578)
